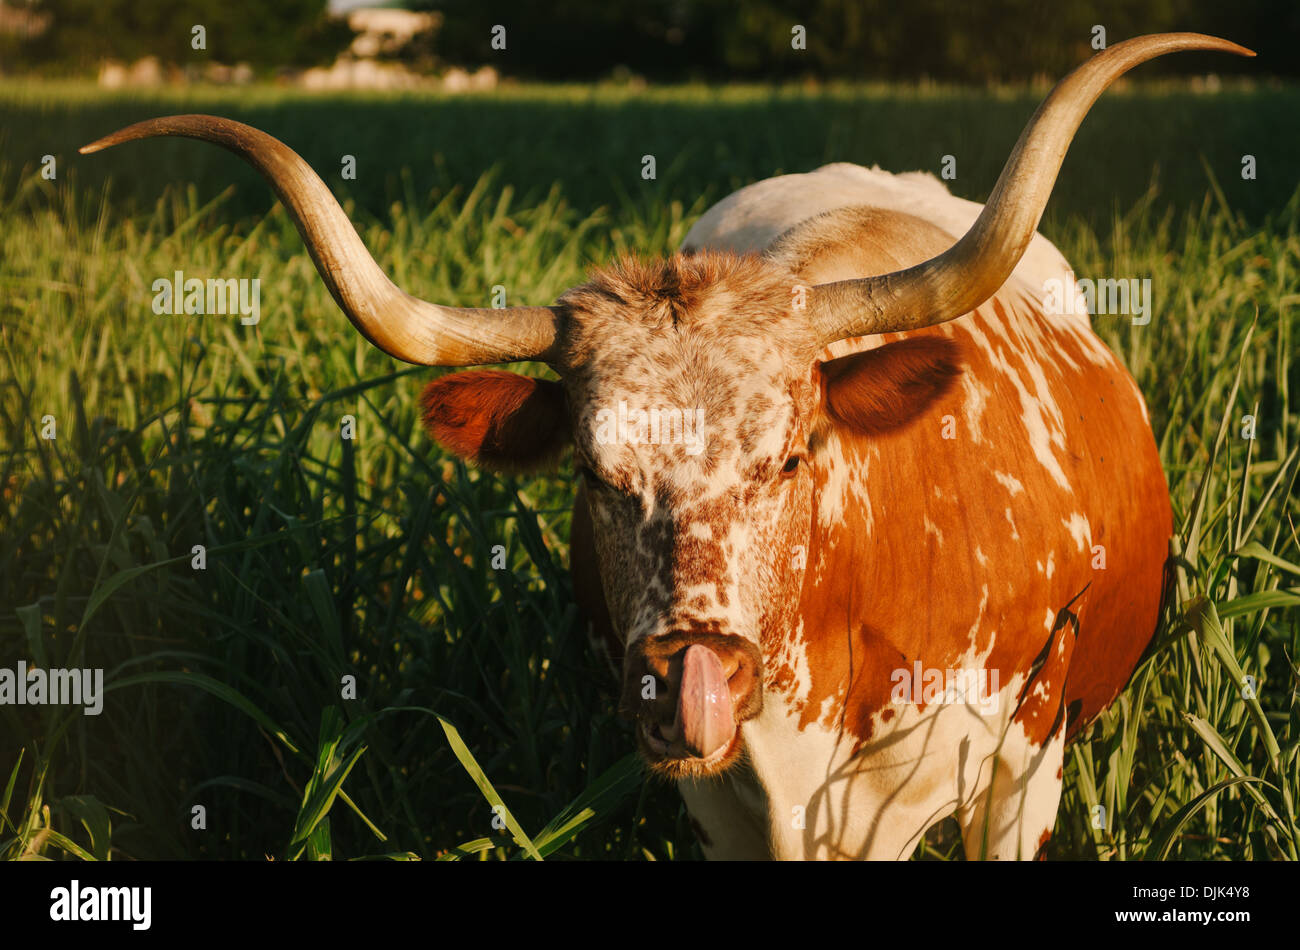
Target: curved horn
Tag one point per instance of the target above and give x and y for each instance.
(973, 269)
(401, 325)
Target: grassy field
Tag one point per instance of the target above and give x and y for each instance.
(371, 558)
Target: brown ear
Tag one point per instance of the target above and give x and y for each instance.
(886, 388)
(498, 420)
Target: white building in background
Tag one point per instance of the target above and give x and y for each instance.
(371, 61)
(380, 32)
(23, 22)
(386, 32)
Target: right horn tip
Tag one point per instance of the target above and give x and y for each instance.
(1219, 45)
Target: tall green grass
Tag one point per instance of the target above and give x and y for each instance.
(482, 724)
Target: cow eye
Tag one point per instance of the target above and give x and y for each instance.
(791, 466)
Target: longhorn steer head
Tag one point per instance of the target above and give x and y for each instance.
(694, 538)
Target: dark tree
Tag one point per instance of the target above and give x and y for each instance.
(266, 33)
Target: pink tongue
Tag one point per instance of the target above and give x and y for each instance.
(704, 714)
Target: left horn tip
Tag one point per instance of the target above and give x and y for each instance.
(108, 141)
(166, 125)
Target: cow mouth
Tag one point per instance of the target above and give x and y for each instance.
(667, 758)
(703, 736)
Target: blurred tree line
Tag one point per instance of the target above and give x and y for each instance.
(76, 35)
(955, 40)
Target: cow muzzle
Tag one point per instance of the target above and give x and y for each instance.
(689, 693)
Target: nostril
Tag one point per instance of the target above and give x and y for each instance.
(740, 677)
(663, 736)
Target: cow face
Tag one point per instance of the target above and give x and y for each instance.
(696, 409)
